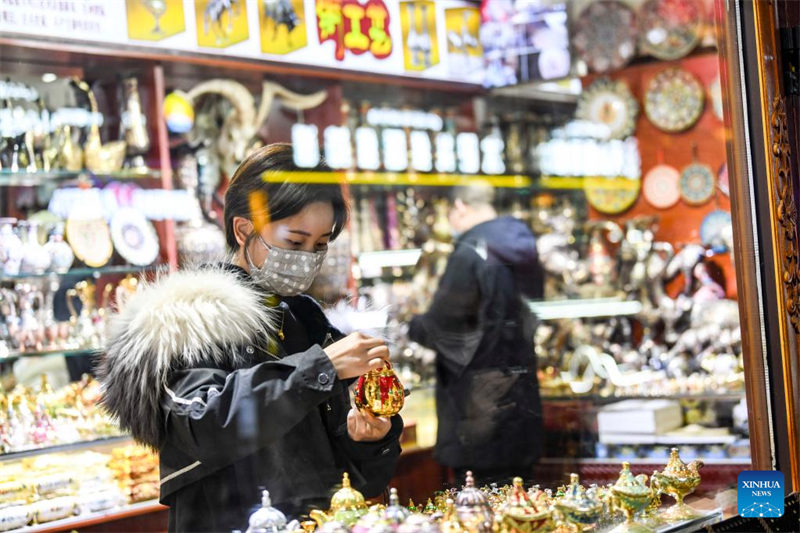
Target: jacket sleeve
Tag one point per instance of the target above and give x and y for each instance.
(451, 326)
(219, 417)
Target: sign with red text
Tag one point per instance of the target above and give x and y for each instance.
(355, 27)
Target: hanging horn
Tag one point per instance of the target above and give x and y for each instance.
(238, 95)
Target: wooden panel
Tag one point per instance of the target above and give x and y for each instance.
(746, 252)
(418, 475)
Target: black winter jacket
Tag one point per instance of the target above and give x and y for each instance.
(195, 368)
(487, 394)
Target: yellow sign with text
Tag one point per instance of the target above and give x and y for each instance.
(153, 20)
(282, 25)
(220, 23)
(420, 44)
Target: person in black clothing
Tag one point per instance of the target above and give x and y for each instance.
(237, 378)
(487, 394)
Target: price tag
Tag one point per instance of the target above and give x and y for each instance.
(468, 149)
(338, 151)
(305, 140)
(492, 148)
(367, 149)
(445, 152)
(421, 155)
(395, 150)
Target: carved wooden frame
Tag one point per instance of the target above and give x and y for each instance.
(765, 230)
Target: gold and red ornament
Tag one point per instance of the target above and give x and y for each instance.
(380, 392)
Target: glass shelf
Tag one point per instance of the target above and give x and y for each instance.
(584, 308)
(375, 261)
(69, 447)
(34, 179)
(637, 461)
(64, 353)
(596, 398)
(84, 272)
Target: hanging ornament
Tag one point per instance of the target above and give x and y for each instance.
(380, 392)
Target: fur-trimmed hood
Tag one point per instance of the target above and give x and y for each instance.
(181, 320)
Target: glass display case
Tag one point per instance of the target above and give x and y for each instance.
(667, 241)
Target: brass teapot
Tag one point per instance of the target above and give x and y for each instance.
(678, 480)
(347, 506)
(98, 157)
(631, 494)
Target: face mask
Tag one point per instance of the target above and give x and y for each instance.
(286, 272)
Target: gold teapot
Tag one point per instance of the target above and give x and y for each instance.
(631, 494)
(577, 507)
(521, 513)
(678, 480)
(347, 506)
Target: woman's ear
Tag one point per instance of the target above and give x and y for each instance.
(242, 228)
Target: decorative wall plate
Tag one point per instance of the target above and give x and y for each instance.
(611, 103)
(713, 225)
(697, 184)
(660, 186)
(670, 29)
(90, 239)
(605, 35)
(134, 237)
(674, 100)
(611, 201)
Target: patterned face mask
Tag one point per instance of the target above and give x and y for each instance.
(286, 272)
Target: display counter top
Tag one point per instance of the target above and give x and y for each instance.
(91, 519)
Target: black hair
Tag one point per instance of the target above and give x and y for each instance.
(251, 195)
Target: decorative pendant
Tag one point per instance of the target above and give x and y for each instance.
(380, 392)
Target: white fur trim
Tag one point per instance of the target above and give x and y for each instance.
(186, 317)
(182, 320)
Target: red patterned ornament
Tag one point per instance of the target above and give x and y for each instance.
(380, 392)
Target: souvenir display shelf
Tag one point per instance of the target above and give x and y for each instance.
(38, 178)
(134, 513)
(84, 272)
(88, 444)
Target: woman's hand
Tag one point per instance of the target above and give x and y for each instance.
(363, 426)
(357, 354)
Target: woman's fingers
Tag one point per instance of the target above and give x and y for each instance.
(376, 364)
(381, 351)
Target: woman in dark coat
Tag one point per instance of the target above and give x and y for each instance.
(237, 378)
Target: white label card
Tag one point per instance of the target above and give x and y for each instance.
(367, 149)
(395, 150)
(306, 138)
(468, 149)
